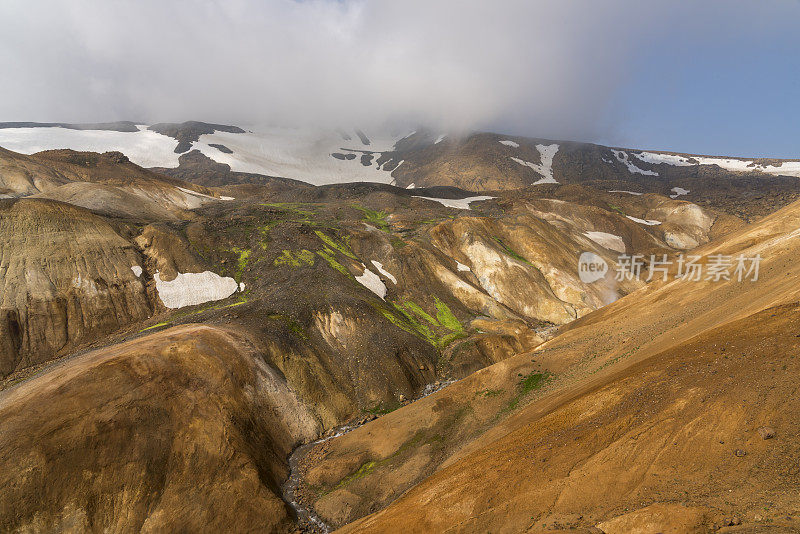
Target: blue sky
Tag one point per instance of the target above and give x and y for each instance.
(736, 93)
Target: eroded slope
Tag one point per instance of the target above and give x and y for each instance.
(632, 402)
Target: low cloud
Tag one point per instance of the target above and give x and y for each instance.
(536, 67)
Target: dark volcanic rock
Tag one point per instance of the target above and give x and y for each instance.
(221, 148)
(197, 168)
(187, 133)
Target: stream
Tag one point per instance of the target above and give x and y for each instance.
(306, 518)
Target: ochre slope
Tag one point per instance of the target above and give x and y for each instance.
(470, 418)
(184, 430)
(666, 430)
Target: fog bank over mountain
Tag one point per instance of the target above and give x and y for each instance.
(537, 68)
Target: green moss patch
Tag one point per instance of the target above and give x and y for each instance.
(617, 209)
(335, 244)
(241, 261)
(415, 320)
(508, 250)
(416, 309)
(328, 255)
(159, 325)
(290, 323)
(446, 317)
(383, 408)
(295, 259)
(364, 470)
(375, 218)
(528, 383)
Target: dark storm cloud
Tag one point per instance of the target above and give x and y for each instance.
(531, 66)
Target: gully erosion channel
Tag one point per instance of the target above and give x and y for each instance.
(307, 519)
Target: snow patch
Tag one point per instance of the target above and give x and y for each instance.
(729, 164)
(378, 265)
(299, 153)
(241, 286)
(546, 153)
(622, 157)
(667, 159)
(461, 267)
(643, 221)
(439, 139)
(190, 289)
(510, 143)
(679, 191)
(137, 271)
(458, 203)
(628, 192)
(195, 193)
(144, 148)
(227, 198)
(609, 241)
(786, 168)
(87, 285)
(372, 282)
(410, 186)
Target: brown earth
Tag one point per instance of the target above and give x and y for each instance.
(184, 430)
(107, 184)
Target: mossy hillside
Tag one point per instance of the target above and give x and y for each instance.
(439, 331)
(336, 244)
(330, 257)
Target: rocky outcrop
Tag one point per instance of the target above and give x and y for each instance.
(65, 277)
(197, 168)
(187, 133)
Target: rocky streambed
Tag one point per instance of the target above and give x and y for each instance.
(308, 520)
